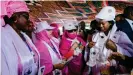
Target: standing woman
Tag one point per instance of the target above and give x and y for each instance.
(17, 22)
(108, 40)
(98, 51)
(48, 47)
(71, 46)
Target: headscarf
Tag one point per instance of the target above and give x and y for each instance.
(10, 7)
(16, 6)
(3, 9)
(66, 34)
(70, 25)
(42, 39)
(43, 35)
(55, 32)
(41, 32)
(71, 35)
(3, 12)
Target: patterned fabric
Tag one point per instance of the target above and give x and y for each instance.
(44, 42)
(31, 47)
(16, 6)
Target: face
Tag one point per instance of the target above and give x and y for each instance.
(72, 31)
(22, 22)
(118, 18)
(81, 32)
(49, 31)
(104, 25)
(30, 27)
(131, 15)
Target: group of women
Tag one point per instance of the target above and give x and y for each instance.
(38, 49)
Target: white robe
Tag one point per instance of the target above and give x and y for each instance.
(4, 66)
(54, 57)
(9, 56)
(99, 53)
(123, 43)
(22, 51)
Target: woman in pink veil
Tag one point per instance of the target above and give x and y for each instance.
(71, 46)
(55, 32)
(48, 47)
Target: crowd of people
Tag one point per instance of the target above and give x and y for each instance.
(29, 48)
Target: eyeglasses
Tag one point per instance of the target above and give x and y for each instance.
(70, 31)
(49, 29)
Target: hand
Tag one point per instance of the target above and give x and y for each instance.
(64, 61)
(59, 66)
(116, 56)
(75, 45)
(77, 52)
(105, 69)
(91, 44)
(111, 45)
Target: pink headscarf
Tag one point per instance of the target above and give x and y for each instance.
(10, 7)
(45, 58)
(66, 34)
(3, 7)
(3, 11)
(16, 6)
(43, 36)
(55, 32)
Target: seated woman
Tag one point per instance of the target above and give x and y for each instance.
(48, 47)
(71, 47)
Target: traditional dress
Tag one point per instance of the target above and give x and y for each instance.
(9, 58)
(48, 47)
(26, 62)
(99, 53)
(74, 57)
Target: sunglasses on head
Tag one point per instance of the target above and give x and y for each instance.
(74, 30)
